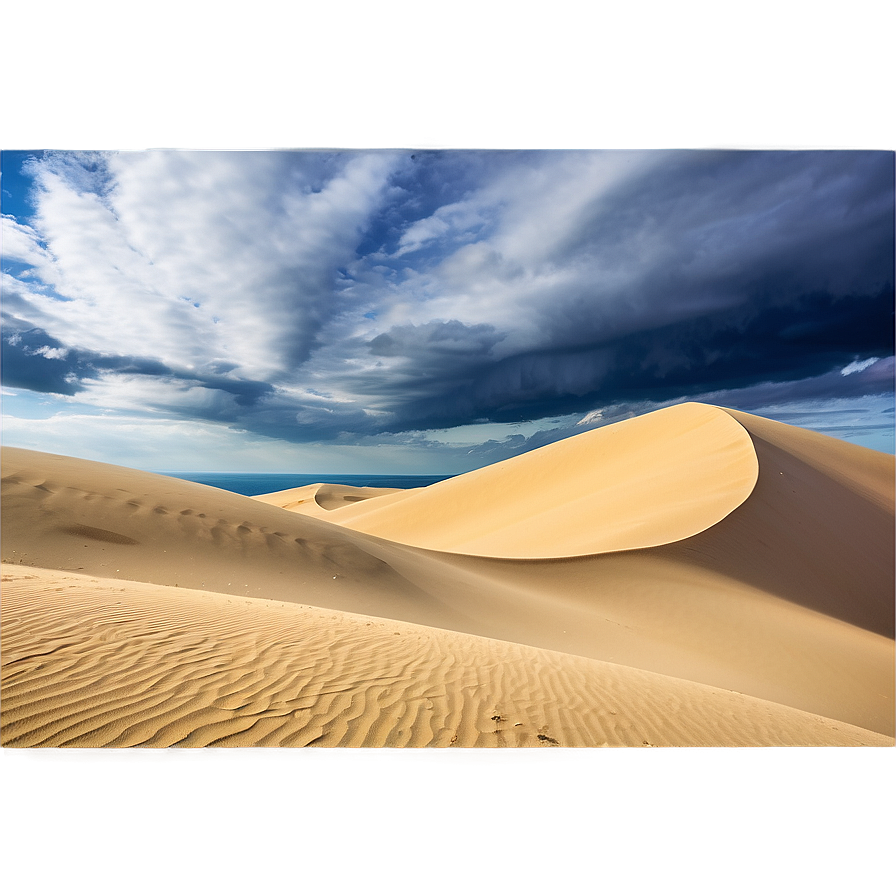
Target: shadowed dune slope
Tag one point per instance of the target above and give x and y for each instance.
(642, 482)
(818, 528)
(82, 516)
(99, 662)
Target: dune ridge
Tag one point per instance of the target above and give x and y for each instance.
(320, 498)
(605, 490)
(787, 597)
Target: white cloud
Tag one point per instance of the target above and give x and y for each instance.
(590, 417)
(199, 258)
(124, 392)
(19, 242)
(54, 354)
(455, 221)
(507, 252)
(858, 366)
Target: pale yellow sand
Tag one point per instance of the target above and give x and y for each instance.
(643, 482)
(787, 596)
(128, 664)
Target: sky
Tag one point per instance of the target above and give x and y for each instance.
(425, 237)
(433, 311)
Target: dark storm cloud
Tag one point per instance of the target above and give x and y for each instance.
(749, 269)
(35, 360)
(814, 402)
(746, 267)
(436, 347)
(749, 218)
(811, 336)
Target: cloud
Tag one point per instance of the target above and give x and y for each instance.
(21, 243)
(434, 352)
(858, 366)
(617, 275)
(35, 360)
(342, 296)
(203, 256)
(863, 408)
(814, 334)
(457, 221)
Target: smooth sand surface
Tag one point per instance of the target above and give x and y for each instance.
(762, 570)
(643, 482)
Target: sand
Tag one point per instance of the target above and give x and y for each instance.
(693, 577)
(647, 481)
(322, 497)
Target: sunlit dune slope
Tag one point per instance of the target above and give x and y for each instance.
(647, 481)
(99, 662)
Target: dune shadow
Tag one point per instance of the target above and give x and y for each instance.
(805, 537)
(95, 534)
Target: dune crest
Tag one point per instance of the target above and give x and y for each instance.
(640, 483)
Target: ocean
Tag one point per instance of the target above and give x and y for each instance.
(265, 483)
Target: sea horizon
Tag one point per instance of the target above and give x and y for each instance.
(250, 484)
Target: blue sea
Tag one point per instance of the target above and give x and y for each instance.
(265, 483)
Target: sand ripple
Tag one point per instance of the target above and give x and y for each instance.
(93, 662)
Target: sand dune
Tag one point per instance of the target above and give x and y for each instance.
(643, 482)
(320, 498)
(711, 549)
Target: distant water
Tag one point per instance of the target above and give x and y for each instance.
(264, 483)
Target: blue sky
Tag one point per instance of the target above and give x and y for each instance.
(434, 311)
